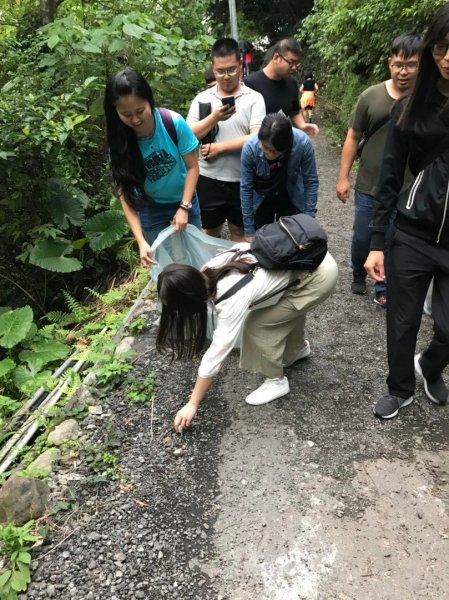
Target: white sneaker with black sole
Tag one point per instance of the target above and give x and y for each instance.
(270, 390)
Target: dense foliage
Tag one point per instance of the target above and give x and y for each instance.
(59, 222)
(349, 41)
(270, 19)
(60, 226)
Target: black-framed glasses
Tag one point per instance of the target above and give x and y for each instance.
(410, 66)
(440, 49)
(289, 61)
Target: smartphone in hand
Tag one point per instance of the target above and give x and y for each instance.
(228, 100)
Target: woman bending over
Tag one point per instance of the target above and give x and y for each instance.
(273, 330)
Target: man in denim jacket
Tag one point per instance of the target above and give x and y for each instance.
(278, 174)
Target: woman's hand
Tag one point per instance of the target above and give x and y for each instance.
(184, 416)
(180, 219)
(374, 265)
(146, 254)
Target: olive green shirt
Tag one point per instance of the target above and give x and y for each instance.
(373, 105)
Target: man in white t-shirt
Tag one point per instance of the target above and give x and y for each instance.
(235, 112)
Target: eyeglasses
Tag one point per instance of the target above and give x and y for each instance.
(289, 61)
(222, 72)
(440, 49)
(410, 66)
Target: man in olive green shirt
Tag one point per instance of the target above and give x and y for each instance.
(370, 119)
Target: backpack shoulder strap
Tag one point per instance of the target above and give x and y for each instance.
(237, 286)
(167, 120)
(286, 287)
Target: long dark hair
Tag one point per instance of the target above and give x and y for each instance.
(127, 166)
(184, 293)
(425, 91)
(276, 129)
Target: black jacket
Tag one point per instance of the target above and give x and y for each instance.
(423, 205)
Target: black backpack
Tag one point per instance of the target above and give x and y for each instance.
(295, 243)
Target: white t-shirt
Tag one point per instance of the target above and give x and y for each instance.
(230, 314)
(249, 114)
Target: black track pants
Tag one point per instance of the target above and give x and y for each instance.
(412, 264)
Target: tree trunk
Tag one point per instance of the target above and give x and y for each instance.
(48, 10)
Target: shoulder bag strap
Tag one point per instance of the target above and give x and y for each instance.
(377, 126)
(238, 286)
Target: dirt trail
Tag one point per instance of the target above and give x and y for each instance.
(309, 497)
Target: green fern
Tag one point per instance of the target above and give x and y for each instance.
(55, 316)
(111, 297)
(95, 294)
(101, 349)
(47, 331)
(53, 331)
(59, 317)
(127, 253)
(74, 382)
(80, 311)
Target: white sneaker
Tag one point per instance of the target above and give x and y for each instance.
(302, 353)
(268, 391)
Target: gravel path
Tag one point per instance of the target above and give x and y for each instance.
(309, 497)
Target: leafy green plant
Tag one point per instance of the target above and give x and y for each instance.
(111, 371)
(72, 444)
(103, 462)
(28, 355)
(61, 413)
(60, 225)
(139, 392)
(15, 325)
(102, 458)
(111, 468)
(68, 503)
(137, 325)
(36, 472)
(7, 407)
(76, 308)
(14, 546)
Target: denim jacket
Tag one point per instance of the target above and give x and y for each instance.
(302, 178)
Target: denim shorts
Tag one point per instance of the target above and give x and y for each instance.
(155, 217)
